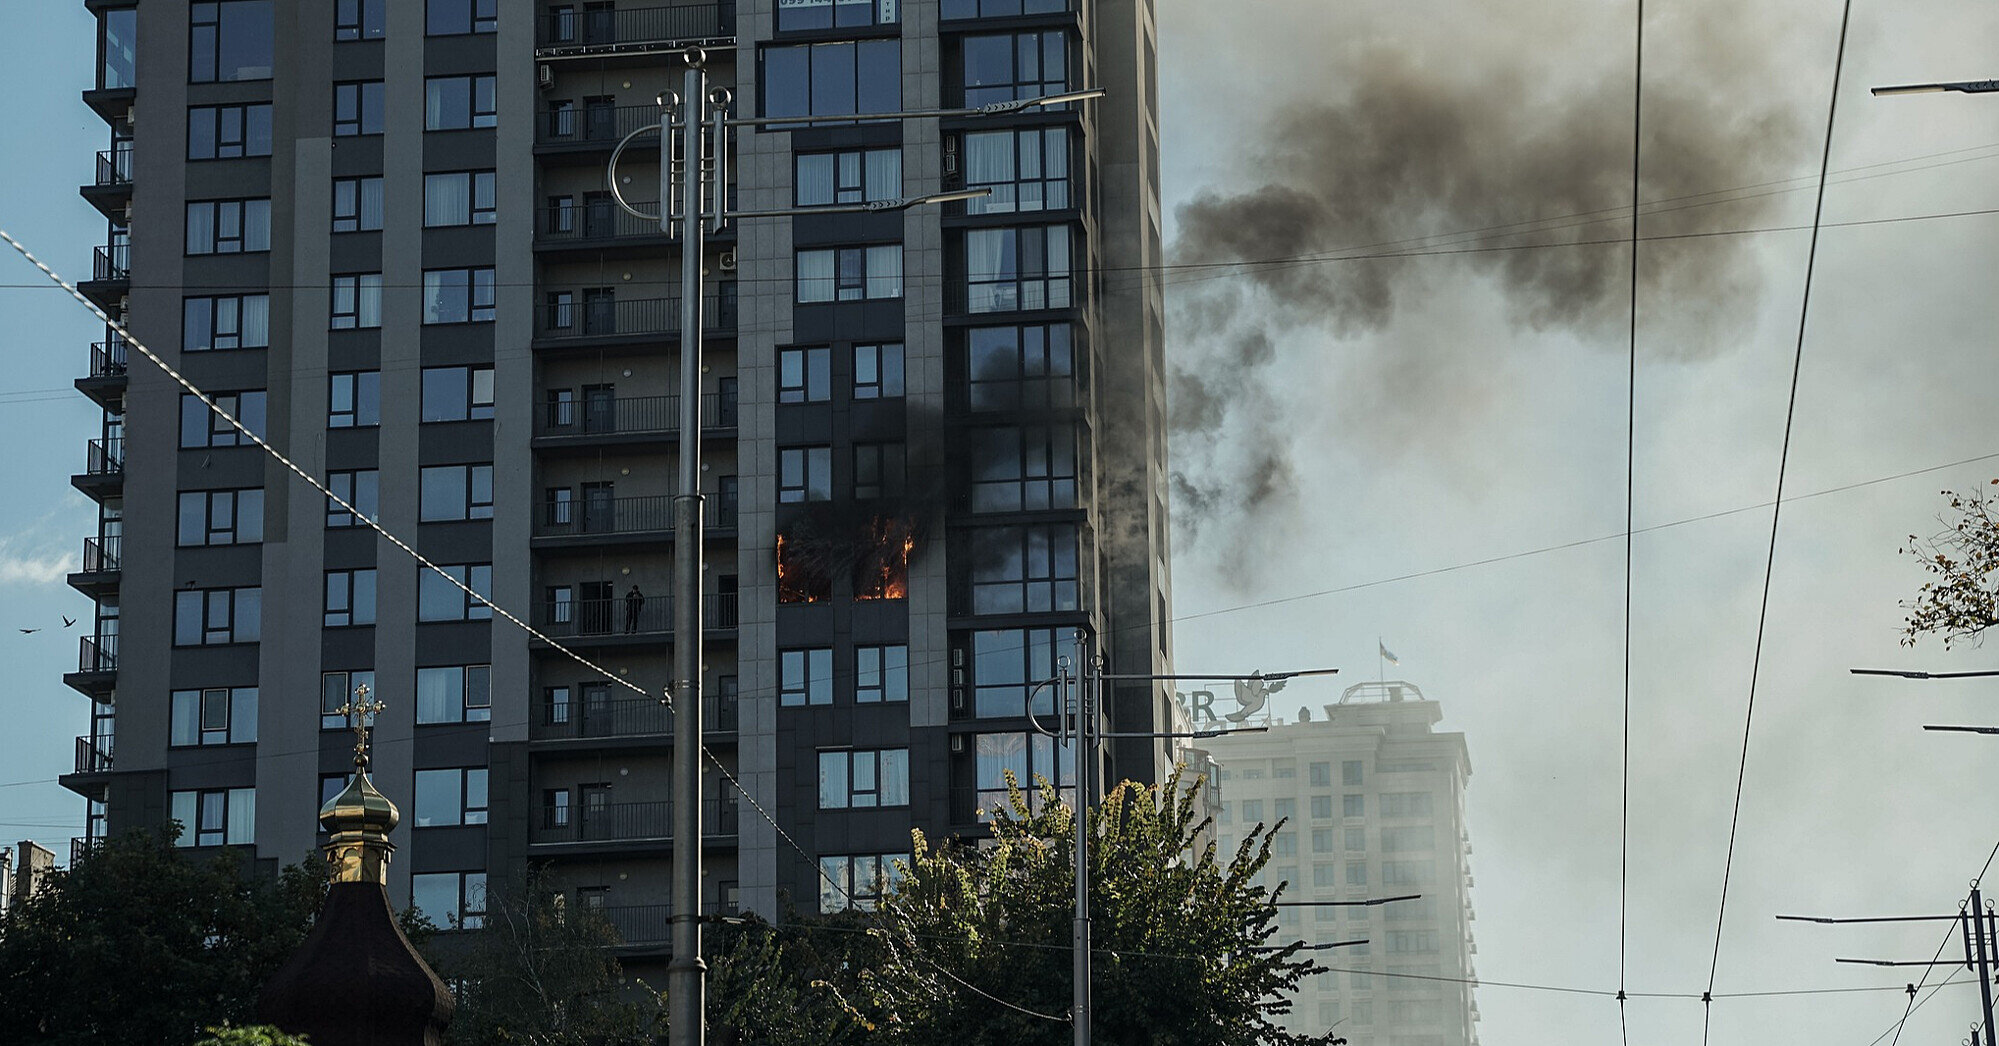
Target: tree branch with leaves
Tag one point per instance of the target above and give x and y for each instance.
(1961, 600)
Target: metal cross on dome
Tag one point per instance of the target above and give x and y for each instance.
(358, 709)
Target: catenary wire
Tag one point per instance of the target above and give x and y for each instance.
(1630, 503)
(1776, 511)
(1941, 945)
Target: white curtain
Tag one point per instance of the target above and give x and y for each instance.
(885, 271)
(815, 276)
(447, 199)
(256, 321)
(989, 162)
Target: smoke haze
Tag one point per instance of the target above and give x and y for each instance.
(1415, 177)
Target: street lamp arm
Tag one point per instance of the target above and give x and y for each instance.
(1960, 86)
(1183, 733)
(611, 175)
(989, 109)
(1211, 676)
(1917, 674)
(901, 203)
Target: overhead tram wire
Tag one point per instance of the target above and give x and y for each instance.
(132, 342)
(1776, 515)
(1630, 501)
(1941, 945)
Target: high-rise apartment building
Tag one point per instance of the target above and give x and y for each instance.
(1371, 800)
(379, 232)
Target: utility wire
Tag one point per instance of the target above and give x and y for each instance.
(1776, 513)
(1941, 945)
(1630, 502)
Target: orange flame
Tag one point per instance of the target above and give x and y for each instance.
(795, 585)
(887, 573)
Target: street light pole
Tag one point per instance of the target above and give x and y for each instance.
(1959, 86)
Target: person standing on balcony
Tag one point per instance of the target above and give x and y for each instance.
(635, 601)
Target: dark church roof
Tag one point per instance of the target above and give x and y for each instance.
(356, 981)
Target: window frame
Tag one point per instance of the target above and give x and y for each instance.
(804, 374)
(252, 126)
(354, 399)
(474, 300)
(188, 717)
(468, 792)
(211, 72)
(1049, 579)
(237, 305)
(480, 197)
(362, 489)
(878, 371)
(357, 204)
(1052, 190)
(842, 770)
(804, 474)
(480, 17)
(463, 607)
(1036, 269)
(235, 808)
(859, 272)
(805, 677)
(350, 598)
(1042, 369)
(359, 20)
(1037, 470)
(239, 611)
(234, 531)
(348, 680)
(849, 176)
(468, 700)
(468, 906)
(880, 470)
(468, 504)
(479, 398)
(359, 108)
(247, 406)
(1018, 86)
(881, 670)
(251, 216)
(362, 308)
(437, 114)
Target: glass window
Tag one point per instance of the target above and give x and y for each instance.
(878, 471)
(215, 817)
(1027, 170)
(1015, 66)
(1032, 467)
(350, 598)
(1030, 759)
(452, 900)
(1001, 8)
(1017, 268)
(455, 492)
(881, 674)
(220, 517)
(805, 677)
(228, 226)
(201, 427)
(450, 797)
(850, 273)
(357, 108)
(804, 474)
(850, 176)
(1322, 774)
(357, 204)
(1353, 806)
(357, 301)
(1322, 807)
(359, 488)
(457, 394)
(217, 716)
(454, 694)
(1408, 837)
(354, 400)
(227, 132)
(360, 19)
(1006, 666)
(857, 882)
(1350, 772)
(878, 371)
(458, 102)
(804, 375)
(214, 616)
(229, 40)
(832, 79)
(336, 689)
(863, 779)
(829, 14)
(459, 198)
(234, 321)
(440, 600)
(460, 17)
(1405, 804)
(457, 296)
(1025, 569)
(118, 49)
(1031, 367)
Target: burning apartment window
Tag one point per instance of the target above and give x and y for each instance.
(1024, 569)
(883, 569)
(1026, 468)
(805, 677)
(1006, 663)
(878, 371)
(878, 471)
(804, 474)
(804, 375)
(1027, 367)
(802, 574)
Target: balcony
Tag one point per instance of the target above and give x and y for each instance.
(639, 717)
(110, 275)
(628, 419)
(592, 128)
(565, 32)
(104, 468)
(607, 321)
(112, 189)
(615, 622)
(96, 666)
(570, 522)
(598, 228)
(105, 384)
(99, 571)
(639, 924)
(576, 827)
(93, 755)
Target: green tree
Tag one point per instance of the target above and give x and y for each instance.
(538, 971)
(976, 936)
(1961, 600)
(139, 941)
(251, 1035)
(768, 987)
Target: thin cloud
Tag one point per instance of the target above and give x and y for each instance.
(25, 565)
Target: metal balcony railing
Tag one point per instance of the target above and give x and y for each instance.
(649, 615)
(112, 262)
(639, 923)
(80, 847)
(633, 717)
(592, 220)
(97, 653)
(632, 415)
(106, 457)
(631, 26)
(639, 515)
(592, 124)
(620, 822)
(100, 554)
(581, 316)
(107, 358)
(93, 755)
(114, 167)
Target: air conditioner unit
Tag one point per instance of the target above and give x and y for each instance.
(544, 76)
(727, 262)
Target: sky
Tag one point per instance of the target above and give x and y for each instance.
(1430, 451)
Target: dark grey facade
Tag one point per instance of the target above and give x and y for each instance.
(378, 232)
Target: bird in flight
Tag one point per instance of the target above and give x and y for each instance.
(29, 631)
(68, 621)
